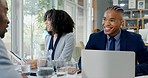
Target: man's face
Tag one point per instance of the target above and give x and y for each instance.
(3, 18)
(111, 22)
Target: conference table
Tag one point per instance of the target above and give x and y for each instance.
(79, 76)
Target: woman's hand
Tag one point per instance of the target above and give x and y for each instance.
(33, 63)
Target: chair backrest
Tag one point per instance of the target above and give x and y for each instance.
(82, 44)
(76, 54)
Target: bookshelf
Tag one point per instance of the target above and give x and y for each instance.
(135, 19)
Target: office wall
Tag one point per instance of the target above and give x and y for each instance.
(101, 6)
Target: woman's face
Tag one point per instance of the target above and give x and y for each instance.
(48, 25)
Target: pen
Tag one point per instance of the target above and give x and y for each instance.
(17, 57)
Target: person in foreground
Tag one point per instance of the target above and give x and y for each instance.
(124, 40)
(60, 41)
(6, 67)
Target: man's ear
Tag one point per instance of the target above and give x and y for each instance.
(122, 21)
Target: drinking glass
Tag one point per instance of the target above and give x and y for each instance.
(25, 69)
(60, 68)
(71, 69)
(45, 68)
(18, 68)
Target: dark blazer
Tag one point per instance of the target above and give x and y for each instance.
(129, 41)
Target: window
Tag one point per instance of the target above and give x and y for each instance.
(80, 25)
(28, 26)
(81, 2)
(33, 26)
(77, 13)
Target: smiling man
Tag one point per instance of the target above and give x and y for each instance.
(112, 21)
(6, 67)
(122, 39)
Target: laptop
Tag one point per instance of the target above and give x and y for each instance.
(108, 64)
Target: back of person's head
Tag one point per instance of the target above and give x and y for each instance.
(61, 21)
(96, 30)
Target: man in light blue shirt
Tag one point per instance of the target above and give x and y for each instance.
(6, 67)
(117, 42)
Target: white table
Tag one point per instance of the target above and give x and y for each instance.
(142, 76)
(79, 76)
(69, 76)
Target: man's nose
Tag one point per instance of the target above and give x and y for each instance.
(106, 23)
(8, 22)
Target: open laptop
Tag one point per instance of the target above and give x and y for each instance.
(108, 64)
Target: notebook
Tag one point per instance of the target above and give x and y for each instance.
(108, 64)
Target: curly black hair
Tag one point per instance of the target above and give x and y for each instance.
(61, 21)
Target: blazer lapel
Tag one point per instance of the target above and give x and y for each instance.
(104, 40)
(123, 40)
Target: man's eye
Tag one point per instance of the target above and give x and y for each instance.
(103, 19)
(112, 20)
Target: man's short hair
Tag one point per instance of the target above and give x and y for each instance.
(116, 8)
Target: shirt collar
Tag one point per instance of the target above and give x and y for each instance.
(117, 37)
